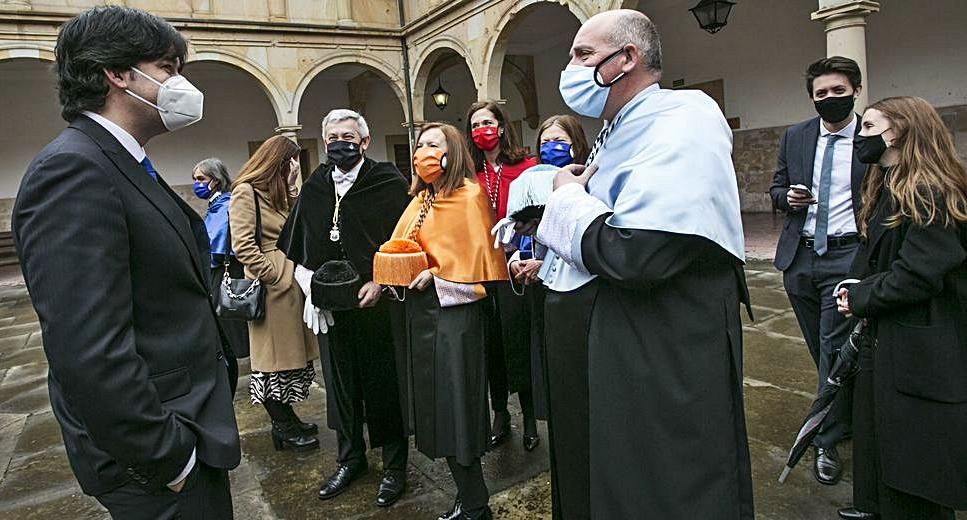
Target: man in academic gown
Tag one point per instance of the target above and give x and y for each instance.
(649, 238)
(347, 208)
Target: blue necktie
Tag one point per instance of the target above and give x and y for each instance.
(148, 167)
(825, 181)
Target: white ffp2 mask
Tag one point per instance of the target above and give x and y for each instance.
(179, 102)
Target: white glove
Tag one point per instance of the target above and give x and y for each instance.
(310, 315)
(503, 232)
(325, 320)
(303, 277)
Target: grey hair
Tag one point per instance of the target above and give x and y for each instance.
(215, 169)
(636, 29)
(344, 114)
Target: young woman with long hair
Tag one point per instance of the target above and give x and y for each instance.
(910, 396)
(282, 348)
(498, 159)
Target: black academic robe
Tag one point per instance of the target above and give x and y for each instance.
(447, 364)
(666, 434)
(359, 359)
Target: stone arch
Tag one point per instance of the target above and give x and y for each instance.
(429, 54)
(27, 50)
(275, 93)
(497, 47)
(382, 69)
(429, 58)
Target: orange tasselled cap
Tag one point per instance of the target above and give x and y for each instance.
(398, 262)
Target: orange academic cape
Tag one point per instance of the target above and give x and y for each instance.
(456, 236)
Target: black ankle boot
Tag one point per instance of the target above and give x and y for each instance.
(304, 427)
(289, 436)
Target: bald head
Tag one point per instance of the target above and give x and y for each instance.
(621, 27)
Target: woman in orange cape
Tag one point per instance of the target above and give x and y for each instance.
(446, 359)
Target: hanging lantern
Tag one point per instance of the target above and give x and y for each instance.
(440, 97)
(712, 15)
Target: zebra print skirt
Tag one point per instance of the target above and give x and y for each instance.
(287, 386)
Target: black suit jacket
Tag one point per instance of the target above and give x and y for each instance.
(797, 154)
(117, 268)
(914, 292)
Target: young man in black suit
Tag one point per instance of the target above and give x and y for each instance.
(117, 267)
(817, 183)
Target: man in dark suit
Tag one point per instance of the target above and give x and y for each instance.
(817, 183)
(116, 266)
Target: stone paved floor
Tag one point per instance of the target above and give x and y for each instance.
(36, 483)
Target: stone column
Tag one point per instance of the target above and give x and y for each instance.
(845, 22)
(344, 12)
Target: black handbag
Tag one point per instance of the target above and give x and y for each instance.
(240, 298)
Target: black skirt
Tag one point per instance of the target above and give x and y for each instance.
(447, 370)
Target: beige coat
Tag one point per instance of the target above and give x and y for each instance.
(281, 341)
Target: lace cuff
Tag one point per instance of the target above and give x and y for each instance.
(568, 213)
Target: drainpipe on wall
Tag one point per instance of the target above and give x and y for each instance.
(411, 129)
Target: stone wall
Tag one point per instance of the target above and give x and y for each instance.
(754, 154)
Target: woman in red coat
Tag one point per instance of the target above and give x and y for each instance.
(499, 159)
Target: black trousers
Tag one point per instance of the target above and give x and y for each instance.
(352, 448)
(869, 492)
(206, 496)
(471, 487)
(809, 282)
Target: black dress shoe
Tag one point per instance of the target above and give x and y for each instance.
(340, 480)
(391, 487)
(828, 467)
(454, 513)
(531, 442)
(288, 436)
(501, 429)
(851, 513)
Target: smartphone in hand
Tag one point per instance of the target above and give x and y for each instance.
(802, 191)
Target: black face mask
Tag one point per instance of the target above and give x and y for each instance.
(344, 154)
(835, 109)
(869, 149)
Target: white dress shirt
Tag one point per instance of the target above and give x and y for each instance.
(127, 140)
(841, 219)
(137, 151)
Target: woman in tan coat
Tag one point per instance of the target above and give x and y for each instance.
(282, 348)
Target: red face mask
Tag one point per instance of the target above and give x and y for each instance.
(429, 163)
(485, 137)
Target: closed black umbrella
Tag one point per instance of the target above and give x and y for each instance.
(844, 368)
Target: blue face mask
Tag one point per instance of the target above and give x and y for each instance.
(582, 89)
(202, 191)
(556, 153)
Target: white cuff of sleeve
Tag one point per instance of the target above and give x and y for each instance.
(568, 213)
(452, 294)
(303, 277)
(184, 473)
(513, 258)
